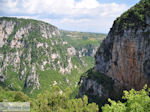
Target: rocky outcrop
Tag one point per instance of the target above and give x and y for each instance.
(89, 50)
(5, 31)
(98, 87)
(91, 87)
(32, 79)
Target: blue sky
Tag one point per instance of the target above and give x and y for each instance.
(74, 15)
(128, 2)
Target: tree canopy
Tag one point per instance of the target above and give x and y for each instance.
(135, 101)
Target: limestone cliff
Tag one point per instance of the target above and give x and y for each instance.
(19, 39)
(97, 86)
(124, 55)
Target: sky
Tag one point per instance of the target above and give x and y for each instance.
(74, 15)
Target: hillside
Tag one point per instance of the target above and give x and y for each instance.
(34, 56)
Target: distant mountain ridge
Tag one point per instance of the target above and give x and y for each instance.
(85, 43)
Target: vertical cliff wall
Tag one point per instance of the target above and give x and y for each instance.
(125, 54)
(123, 59)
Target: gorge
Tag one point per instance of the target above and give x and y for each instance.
(44, 65)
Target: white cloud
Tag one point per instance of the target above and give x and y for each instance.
(8, 6)
(69, 13)
(88, 4)
(90, 25)
(112, 9)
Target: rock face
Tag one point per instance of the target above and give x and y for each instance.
(91, 87)
(128, 58)
(87, 51)
(17, 48)
(97, 86)
(125, 54)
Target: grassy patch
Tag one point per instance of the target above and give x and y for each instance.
(13, 81)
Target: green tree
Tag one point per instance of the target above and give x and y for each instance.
(59, 101)
(55, 100)
(136, 101)
(20, 96)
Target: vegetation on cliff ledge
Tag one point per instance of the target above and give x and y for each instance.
(135, 17)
